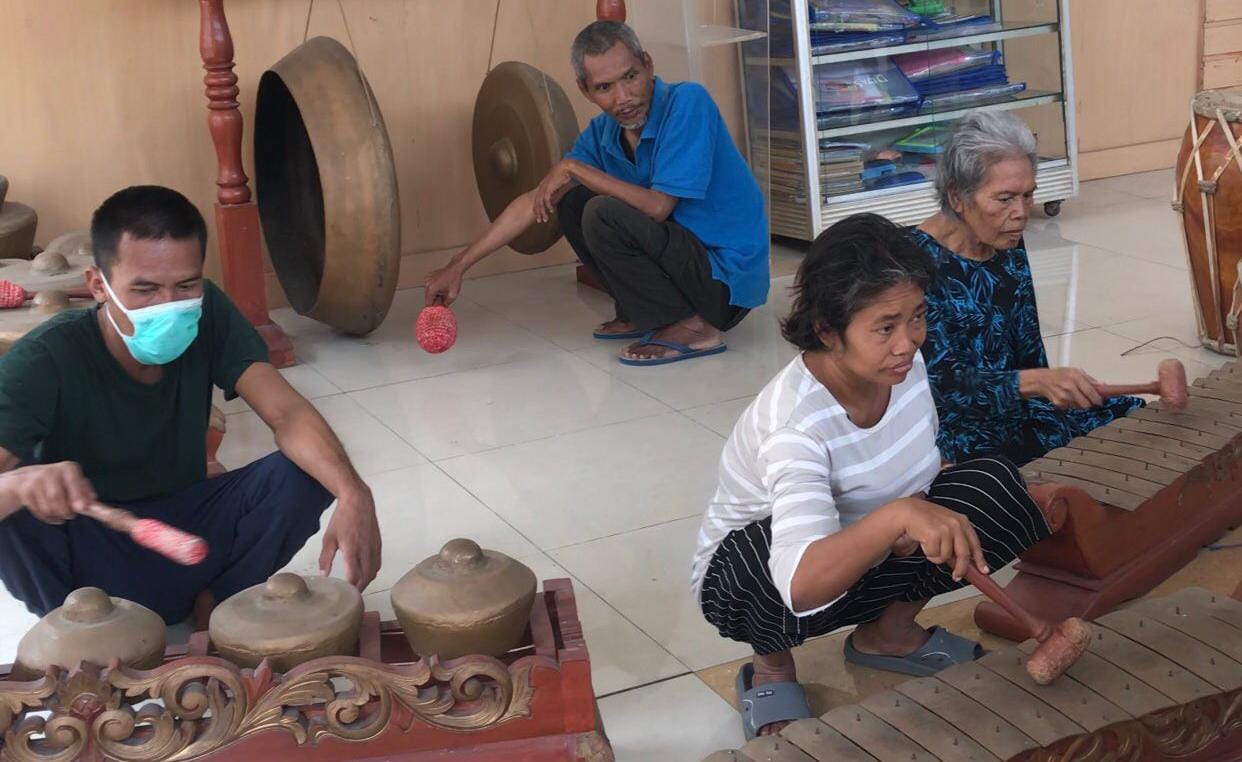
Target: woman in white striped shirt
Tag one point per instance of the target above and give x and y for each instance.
(832, 508)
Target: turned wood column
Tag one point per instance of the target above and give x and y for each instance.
(237, 216)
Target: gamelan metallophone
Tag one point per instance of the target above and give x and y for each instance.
(1143, 494)
(1162, 680)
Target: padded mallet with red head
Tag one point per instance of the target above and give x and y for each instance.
(1170, 385)
(13, 296)
(1059, 645)
(436, 328)
(172, 543)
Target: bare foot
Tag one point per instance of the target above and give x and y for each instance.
(777, 668)
(873, 639)
(694, 332)
(616, 326)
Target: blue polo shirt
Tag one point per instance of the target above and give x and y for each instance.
(686, 151)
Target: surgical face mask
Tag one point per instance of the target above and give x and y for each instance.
(162, 332)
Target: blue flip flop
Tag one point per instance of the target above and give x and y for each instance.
(683, 352)
(768, 703)
(603, 336)
(943, 649)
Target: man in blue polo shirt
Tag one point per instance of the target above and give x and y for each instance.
(656, 201)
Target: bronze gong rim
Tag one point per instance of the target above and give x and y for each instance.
(326, 187)
(523, 125)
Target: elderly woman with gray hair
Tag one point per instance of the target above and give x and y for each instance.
(986, 364)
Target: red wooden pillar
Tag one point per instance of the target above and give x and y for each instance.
(237, 216)
(605, 10)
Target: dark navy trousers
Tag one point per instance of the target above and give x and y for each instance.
(254, 519)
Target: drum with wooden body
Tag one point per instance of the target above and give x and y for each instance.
(1208, 199)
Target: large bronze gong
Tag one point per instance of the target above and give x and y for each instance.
(326, 187)
(523, 125)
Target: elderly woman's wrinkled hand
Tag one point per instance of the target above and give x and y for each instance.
(1063, 387)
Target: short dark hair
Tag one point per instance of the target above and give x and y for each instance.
(147, 213)
(597, 39)
(849, 265)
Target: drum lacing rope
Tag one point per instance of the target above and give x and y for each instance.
(1180, 189)
(1179, 207)
(1206, 193)
(1231, 318)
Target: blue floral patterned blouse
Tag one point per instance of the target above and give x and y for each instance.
(982, 328)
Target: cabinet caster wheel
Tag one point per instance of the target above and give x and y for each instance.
(1052, 208)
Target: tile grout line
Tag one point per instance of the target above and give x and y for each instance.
(470, 301)
(624, 531)
(651, 683)
(545, 438)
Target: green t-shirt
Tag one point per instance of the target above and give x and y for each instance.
(63, 396)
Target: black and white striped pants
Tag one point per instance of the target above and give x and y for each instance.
(740, 599)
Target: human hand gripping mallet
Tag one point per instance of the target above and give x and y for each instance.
(172, 543)
(1170, 385)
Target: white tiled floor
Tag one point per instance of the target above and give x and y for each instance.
(529, 437)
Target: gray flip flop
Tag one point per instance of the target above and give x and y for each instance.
(943, 649)
(768, 703)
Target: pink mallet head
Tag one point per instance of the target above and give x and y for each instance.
(436, 328)
(12, 295)
(1171, 375)
(170, 542)
(1058, 651)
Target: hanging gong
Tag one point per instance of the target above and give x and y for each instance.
(326, 187)
(523, 125)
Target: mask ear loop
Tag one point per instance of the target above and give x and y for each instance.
(117, 302)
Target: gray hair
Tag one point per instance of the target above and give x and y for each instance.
(979, 140)
(597, 39)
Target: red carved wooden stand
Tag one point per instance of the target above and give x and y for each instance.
(237, 216)
(534, 703)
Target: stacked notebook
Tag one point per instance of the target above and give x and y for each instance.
(957, 77)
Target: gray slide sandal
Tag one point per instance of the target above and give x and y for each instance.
(943, 649)
(768, 703)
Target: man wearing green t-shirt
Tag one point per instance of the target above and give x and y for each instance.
(111, 405)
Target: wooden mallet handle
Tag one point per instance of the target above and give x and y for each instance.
(1038, 628)
(168, 541)
(1170, 385)
(1117, 390)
